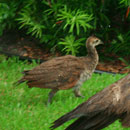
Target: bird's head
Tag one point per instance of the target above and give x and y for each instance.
(93, 41)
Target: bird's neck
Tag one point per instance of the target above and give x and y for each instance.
(92, 53)
(93, 56)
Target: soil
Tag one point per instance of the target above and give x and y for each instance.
(13, 44)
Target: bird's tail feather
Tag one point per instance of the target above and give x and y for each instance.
(19, 82)
(96, 122)
(63, 119)
(22, 79)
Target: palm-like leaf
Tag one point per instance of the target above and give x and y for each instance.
(26, 20)
(71, 45)
(75, 18)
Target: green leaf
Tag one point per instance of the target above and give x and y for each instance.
(75, 19)
(71, 46)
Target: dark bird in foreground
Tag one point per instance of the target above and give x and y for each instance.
(102, 109)
(64, 72)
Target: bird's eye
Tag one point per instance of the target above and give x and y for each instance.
(96, 40)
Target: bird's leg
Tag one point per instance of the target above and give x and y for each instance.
(77, 92)
(51, 95)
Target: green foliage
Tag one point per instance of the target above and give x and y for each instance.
(71, 46)
(30, 23)
(121, 45)
(125, 2)
(22, 108)
(50, 20)
(75, 18)
(7, 13)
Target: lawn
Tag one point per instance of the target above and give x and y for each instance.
(22, 108)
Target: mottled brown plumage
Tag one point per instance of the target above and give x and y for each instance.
(102, 109)
(64, 72)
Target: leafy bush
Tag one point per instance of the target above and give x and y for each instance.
(7, 13)
(50, 20)
(75, 18)
(71, 45)
(125, 2)
(121, 45)
(34, 27)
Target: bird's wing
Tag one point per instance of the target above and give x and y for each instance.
(86, 111)
(100, 110)
(125, 101)
(62, 73)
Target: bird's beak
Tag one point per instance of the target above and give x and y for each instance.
(101, 42)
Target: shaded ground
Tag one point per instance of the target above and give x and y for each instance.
(26, 47)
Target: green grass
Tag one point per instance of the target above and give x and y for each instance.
(22, 108)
